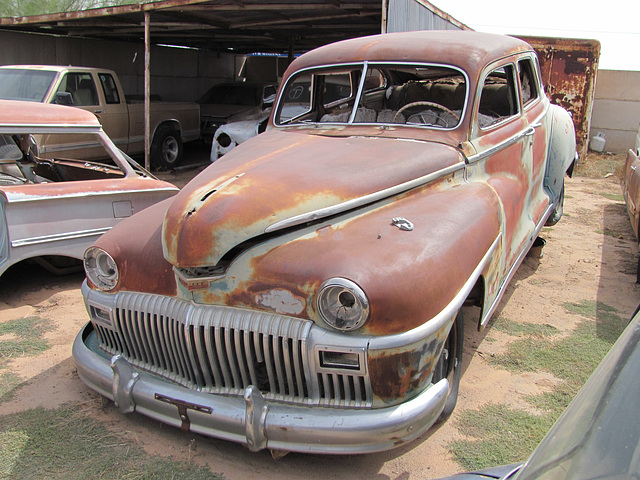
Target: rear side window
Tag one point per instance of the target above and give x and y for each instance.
(528, 84)
(109, 88)
(498, 100)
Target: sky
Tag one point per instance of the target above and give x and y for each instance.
(615, 23)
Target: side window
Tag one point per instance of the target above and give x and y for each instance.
(80, 87)
(109, 88)
(498, 99)
(375, 80)
(528, 84)
(296, 100)
(337, 87)
(269, 95)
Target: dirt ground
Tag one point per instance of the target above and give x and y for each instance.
(590, 255)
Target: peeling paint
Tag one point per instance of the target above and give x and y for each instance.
(280, 301)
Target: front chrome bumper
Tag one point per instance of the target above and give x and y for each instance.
(252, 420)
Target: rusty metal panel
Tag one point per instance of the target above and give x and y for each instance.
(569, 68)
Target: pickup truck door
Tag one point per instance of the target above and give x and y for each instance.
(104, 102)
(114, 114)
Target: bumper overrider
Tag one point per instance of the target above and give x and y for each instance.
(301, 420)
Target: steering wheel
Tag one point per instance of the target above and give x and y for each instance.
(437, 106)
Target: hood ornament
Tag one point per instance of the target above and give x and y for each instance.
(402, 223)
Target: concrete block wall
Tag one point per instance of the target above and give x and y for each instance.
(616, 109)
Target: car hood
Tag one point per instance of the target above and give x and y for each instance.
(281, 179)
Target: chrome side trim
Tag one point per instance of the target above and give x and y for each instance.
(510, 141)
(58, 237)
(500, 146)
(25, 197)
(37, 128)
(361, 201)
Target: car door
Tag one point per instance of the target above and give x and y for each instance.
(502, 139)
(535, 146)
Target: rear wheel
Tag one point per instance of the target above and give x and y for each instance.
(449, 365)
(556, 215)
(166, 148)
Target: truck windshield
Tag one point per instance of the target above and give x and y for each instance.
(29, 85)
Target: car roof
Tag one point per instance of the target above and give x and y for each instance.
(51, 68)
(14, 112)
(471, 51)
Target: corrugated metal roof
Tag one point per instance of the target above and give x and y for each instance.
(410, 15)
(244, 26)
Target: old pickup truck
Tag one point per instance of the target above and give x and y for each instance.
(99, 91)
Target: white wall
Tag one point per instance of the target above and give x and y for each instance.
(616, 109)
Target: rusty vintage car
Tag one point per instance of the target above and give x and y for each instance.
(303, 293)
(52, 205)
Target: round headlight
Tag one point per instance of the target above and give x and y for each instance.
(342, 304)
(101, 268)
(224, 140)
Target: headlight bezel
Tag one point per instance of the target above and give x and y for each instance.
(101, 269)
(339, 295)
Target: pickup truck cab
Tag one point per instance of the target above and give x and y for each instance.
(99, 91)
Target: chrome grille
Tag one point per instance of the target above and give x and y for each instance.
(223, 350)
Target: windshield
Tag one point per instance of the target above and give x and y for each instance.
(24, 84)
(598, 437)
(417, 95)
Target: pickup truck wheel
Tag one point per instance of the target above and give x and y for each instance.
(166, 148)
(449, 365)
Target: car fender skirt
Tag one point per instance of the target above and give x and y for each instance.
(252, 420)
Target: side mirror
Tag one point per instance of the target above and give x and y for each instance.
(62, 98)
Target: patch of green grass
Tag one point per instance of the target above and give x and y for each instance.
(26, 337)
(572, 358)
(8, 382)
(616, 197)
(64, 444)
(503, 434)
(516, 329)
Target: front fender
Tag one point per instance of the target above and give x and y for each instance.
(408, 276)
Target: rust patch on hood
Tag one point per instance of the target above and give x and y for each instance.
(283, 175)
(368, 250)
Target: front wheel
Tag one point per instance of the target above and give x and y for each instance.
(449, 365)
(166, 148)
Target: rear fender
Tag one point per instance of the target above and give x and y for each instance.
(562, 156)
